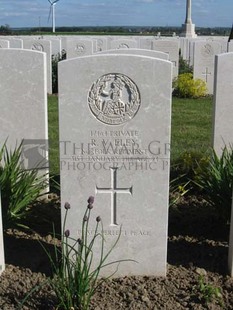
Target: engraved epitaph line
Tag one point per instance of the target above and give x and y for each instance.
(114, 190)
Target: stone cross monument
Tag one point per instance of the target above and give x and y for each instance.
(188, 28)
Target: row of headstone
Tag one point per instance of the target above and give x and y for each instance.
(76, 46)
(199, 52)
(117, 141)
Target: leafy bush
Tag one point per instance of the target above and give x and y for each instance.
(216, 180)
(19, 187)
(184, 67)
(185, 170)
(55, 59)
(187, 87)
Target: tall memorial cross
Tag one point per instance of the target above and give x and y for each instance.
(114, 190)
(188, 19)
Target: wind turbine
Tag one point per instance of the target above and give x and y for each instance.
(52, 9)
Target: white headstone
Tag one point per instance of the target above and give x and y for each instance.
(171, 47)
(184, 48)
(223, 102)
(122, 44)
(115, 116)
(4, 44)
(203, 68)
(100, 44)
(15, 43)
(23, 104)
(56, 46)
(46, 47)
(230, 46)
(136, 51)
(2, 256)
(78, 47)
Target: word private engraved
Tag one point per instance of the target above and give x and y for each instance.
(114, 99)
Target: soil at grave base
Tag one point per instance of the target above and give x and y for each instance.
(197, 245)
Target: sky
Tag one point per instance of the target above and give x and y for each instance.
(34, 13)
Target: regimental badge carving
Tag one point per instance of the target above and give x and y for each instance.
(123, 45)
(99, 44)
(114, 99)
(207, 50)
(80, 48)
(37, 47)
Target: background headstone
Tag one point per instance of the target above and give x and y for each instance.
(136, 51)
(4, 44)
(146, 43)
(115, 116)
(15, 43)
(100, 44)
(203, 68)
(2, 256)
(78, 47)
(23, 104)
(122, 44)
(223, 102)
(46, 47)
(171, 47)
(230, 46)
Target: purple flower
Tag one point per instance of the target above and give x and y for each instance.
(80, 241)
(98, 219)
(67, 233)
(91, 200)
(67, 206)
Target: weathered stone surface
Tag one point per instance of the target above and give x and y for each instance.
(115, 118)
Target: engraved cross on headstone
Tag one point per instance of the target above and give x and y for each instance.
(206, 73)
(114, 190)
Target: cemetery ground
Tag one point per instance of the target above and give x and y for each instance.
(197, 240)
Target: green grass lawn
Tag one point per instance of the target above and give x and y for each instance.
(53, 134)
(191, 128)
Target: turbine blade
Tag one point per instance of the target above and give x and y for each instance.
(50, 1)
(50, 11)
